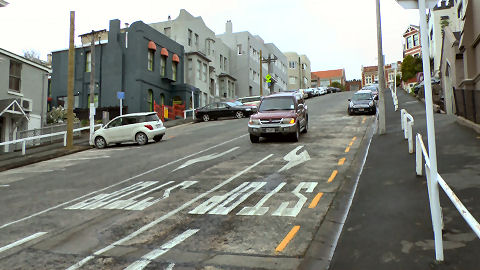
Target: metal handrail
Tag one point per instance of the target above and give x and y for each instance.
(395, 99)
(64, 133)
(407, 123)
(467, 216)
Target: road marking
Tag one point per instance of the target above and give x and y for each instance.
(341, 161)
(315, 200)
(364, 119)
(118, 183)
(247, 191)
(77, 159)
(152, 255)
(258, 209)
(166, 216)
(205, 158)
(294, 159)
(350, 144)
(332, 176)
(4, 185)
(354, 138)
(283, 210)
(170, 266)
(287, 238)
(347, 149)
(21, 241)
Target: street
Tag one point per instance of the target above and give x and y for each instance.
(202, 198)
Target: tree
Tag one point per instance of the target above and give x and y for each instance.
(410, 67)
(32, 55)
(337, 85)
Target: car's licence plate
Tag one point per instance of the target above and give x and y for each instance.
(270, 130)
(360, 110)
(158, 125)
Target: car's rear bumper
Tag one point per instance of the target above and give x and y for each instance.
(269, 130)
(156, 132)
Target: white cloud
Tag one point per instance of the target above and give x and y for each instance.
(333, 34)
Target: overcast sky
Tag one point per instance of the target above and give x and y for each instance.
(332, 33)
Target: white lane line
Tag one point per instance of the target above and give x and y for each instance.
(21, 241)
(152, 255)
(205, 158)
(166, 216)
(77, 159)
(4, 185)
(118, 183)
(170, 266)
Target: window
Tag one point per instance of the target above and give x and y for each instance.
(415, 40)
(190, 67)
(163, 62)
(368, 80)
(254, 76)
(221, 61)
(207, 42)
(150, 100)
(199, 70)
(292, 64)
(15, 76)
(409, 42)
(239, 49)
(150, 60)
(189, 37)
(292, 80)
(196, 40)
(225, 63)
(204, 72)
(88, 62)
(174, 71)
(167, 31)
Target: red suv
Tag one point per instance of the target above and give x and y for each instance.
(280, 113)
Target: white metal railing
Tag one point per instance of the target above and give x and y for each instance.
(433, 181)
(64, 133)
(395, 99)
(185, 113)
(407, 122)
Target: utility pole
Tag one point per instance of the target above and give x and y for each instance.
(93, 35)
(381, 75)
(268, 61)
(71, 66)
(261, 74)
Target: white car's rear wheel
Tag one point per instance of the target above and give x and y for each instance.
(141, 138)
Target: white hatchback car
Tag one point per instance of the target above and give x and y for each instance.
(133, 127)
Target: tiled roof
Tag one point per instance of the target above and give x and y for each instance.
(328, 73)
(370, 69)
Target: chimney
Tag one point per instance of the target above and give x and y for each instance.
(228, 27)
(114, 30)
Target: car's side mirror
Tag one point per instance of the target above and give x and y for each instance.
(349, 100)
(301, 106)
(376, 98)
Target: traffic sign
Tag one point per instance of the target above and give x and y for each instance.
(121, 95)
(269, 78)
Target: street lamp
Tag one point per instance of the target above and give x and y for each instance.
(435, 209)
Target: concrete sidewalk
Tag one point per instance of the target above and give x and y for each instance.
(49, 151)
(389, 223)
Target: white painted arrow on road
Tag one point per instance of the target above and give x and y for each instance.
(294, 159)
(205, 158)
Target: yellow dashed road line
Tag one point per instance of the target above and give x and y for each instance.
(347, 149)
(287, 238)
(332, 176)
(341, 161)
(315, 200)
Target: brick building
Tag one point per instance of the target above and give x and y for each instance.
(327, 77)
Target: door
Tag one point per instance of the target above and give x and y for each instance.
(126, 130)
(301, 112)
(223, 110)
(111, 130)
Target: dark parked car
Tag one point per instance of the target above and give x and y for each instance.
(373, 88)
(281, 113)
(362, 102)
(223, 109)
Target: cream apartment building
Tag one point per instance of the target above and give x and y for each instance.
(299, 71)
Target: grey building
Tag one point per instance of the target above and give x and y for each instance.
(246, 68)
(144, 63)
(23, 95)
(208, 61)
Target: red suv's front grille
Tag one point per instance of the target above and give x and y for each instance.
(271, 121)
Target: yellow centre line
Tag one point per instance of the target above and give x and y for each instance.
(347, 149)
(363, 120)
(350, 144)
(315, 200)
(341, 161)
(287, 238)
(334, 173)
(354, 138)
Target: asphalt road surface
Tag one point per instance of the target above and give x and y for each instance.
(202, 198)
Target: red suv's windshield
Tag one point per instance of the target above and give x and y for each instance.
(277, 104)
